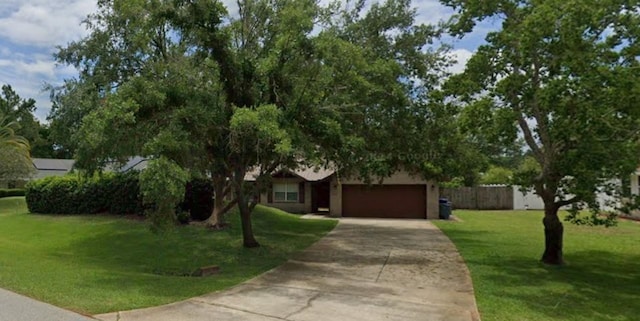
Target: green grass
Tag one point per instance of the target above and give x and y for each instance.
(601, 280)
(97, 264)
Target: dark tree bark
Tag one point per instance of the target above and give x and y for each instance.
(248, 240)
(553, 234)
(220, 191)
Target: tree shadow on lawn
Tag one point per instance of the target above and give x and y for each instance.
(595, 285)
(132, 258)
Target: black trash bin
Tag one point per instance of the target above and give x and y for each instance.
(445, 208)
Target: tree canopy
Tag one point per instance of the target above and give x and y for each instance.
(15, 160)
(565, 74)
(282, 83)
(21, 112)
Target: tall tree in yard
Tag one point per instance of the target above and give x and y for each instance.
(15, 159)
(21, 112)
(566, 73)
(280, 82)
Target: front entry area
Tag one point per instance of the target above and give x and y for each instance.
(320, 199)
(384, 201)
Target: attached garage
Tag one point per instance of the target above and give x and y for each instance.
(401, 195)
(384, 201)
(309, 189)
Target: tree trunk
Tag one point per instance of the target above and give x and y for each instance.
(216, 220)
(248, 240)
(553, 233)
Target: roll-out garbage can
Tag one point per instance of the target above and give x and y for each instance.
(445, 208)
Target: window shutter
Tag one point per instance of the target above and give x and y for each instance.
(301, 192)
(270, 194)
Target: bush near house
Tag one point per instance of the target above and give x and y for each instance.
(117, 193)
(11, 192)
(73, 194)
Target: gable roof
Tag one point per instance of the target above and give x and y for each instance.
(307, 173)
(135, 163)
(49, 164)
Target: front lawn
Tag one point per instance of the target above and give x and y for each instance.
(97, 264)
(600, 282)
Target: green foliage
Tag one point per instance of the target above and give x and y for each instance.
(11, 192)
(123, 190)
(15, 165)
(9, 140)
(497, 175)
(162, 184)
(279, 84)
(21, 111)
(72, 194)
(564, 73)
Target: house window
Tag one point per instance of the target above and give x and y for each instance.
(285, 192)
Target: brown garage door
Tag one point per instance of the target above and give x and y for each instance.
(391, 201)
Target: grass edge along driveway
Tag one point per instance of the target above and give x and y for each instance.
(95, 264)
(501, 248)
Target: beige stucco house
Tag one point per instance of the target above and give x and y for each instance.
(312, 190)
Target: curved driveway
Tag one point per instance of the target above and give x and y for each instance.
(365, 269)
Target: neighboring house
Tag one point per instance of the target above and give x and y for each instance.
(309, 190)
(136, 163)
(46, 167)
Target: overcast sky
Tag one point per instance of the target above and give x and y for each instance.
(30, 30)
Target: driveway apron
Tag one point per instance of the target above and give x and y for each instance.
(365, 269)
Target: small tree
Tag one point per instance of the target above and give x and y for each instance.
(565, 72)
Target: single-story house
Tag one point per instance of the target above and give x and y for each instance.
(46, 167)
(309, 190)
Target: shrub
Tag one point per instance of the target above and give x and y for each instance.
(11, 192)
(54, 195)
(198, 199)
(124, 194)
(114, 193)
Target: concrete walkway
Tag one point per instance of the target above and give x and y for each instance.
(16, 307)
(365, 269)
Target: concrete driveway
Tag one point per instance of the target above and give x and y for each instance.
(365, 269)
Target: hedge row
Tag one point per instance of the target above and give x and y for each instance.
(112, 193)
(11, 192)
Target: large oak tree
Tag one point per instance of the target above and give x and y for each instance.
(566, 73)
(282, 83)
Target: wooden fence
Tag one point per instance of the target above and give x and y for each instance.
(480, 197)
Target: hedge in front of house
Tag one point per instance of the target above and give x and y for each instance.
(113, 193)
(124, 194)
(12, 192)
(72, 194)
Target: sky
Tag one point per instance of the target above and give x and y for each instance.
(31, 30)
